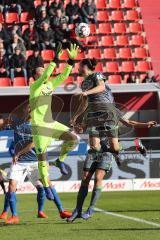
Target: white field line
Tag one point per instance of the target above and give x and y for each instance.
(127, 217)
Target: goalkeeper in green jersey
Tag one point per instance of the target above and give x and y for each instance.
(44, 128)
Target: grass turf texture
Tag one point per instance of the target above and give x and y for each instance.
(144, 205)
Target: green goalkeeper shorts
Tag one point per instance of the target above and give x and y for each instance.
(43, 134)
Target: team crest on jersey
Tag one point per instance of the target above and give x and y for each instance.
(47, 90)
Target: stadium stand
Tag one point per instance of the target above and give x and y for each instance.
(118, 40)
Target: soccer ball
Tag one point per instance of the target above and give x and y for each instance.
(82, 30)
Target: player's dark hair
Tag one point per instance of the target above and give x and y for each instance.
(90, 62)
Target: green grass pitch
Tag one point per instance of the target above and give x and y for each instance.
(141, 205)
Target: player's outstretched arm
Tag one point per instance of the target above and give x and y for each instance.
(72, 53)
(23, 151)
(98, 89)
(82, 106)
(136, 124)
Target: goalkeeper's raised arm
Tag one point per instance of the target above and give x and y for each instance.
(72, 53)
(43, 75)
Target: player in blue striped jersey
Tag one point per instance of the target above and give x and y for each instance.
(25, 164)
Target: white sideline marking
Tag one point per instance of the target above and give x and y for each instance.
(127, 217)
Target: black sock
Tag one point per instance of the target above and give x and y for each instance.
(82, 194)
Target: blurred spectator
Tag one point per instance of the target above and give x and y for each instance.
(58, 19)
(4, 64)
(1, 6)
(12, 6)
(30, 36)
(34, 61)
(27, 5)
(149, 78)
(73, 12)
(3, 35)
(155, 78)
(131, 78)
(14, 29)
(1, 44)
(89, 11)
(43, 5)
(18, 42)
(46, 36)
(42, 17)
(18, 64)
(56, 4)
(63, 35)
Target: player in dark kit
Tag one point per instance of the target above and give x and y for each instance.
(101, 119)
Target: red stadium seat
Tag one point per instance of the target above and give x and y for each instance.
(37, 3)
(114, 4)
(130, 4)
(69, 80)
(81, 2)
(76, 68)
(127, 67)
(5, 82)
(94, 53)
(80, 56)
(24, 27)
(100, 4)
(131, 15)
(99, 67)
(102, 16)
(28, 53)
(47, 55)
(140, 53)
(119, 28)
(122, 40)
(135, 28)
(79, 80)
(117, 16)
(26, 16)
(142, 77)
(50, 1)
(60, 68)
(71, 26)
(64, 56)
(65, 2)
(143, 66)
(115, 79)
(107, 41)
(11, 17)
(46, 65)
(104, 28)
(137, 40)
(1, 18)
(19, 82)
(92, 28)
(125, 53)
(91, 40)
(112, 67)
(109, 53)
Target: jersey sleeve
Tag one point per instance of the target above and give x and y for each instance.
(59, 79)
(45, 76)
(100, 76)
